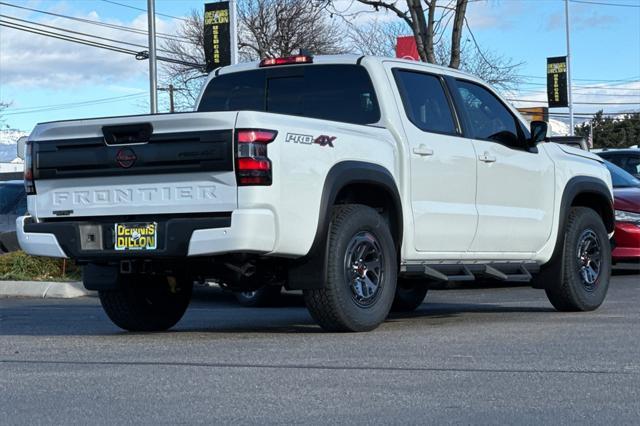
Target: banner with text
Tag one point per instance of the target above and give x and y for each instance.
(557, 82)
(217, 35)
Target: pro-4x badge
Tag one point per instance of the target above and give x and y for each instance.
(324, 140)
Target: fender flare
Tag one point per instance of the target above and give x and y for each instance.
(303, 273)
(579, 185)
(576, 186)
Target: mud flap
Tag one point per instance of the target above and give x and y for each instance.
(100, 277)
(309, 272)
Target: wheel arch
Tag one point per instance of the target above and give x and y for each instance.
(348, 182)
(580, 191)
(585, 191)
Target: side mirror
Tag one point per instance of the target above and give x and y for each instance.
(20, 146)
(538, 132)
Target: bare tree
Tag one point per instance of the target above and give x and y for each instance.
(427, 25)
(188, 48)
(267, 28)
(377, 38)
(272, 28)
(497, 70)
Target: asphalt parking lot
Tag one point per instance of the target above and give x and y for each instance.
(490, 355)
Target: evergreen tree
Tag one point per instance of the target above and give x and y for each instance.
(609, 132)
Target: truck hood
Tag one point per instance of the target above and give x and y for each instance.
(580, 153)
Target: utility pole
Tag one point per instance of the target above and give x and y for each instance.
(171, 108)
(153, 71)
(169, 89)
(566, 13)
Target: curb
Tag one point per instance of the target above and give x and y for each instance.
(43, 289)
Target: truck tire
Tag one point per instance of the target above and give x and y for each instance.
(585, 264)
(361, 272)
(142, 303)
(9, 242)
(262, 297)
(409, 295)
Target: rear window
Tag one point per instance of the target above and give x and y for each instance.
(329, 92)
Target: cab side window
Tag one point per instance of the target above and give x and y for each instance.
(425, 102)
(489, 118)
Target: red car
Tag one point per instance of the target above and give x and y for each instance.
(626, 194)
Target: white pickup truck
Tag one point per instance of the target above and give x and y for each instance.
(359, 180)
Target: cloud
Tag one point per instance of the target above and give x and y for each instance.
(581, 19)
(31, 60)
(494, 14)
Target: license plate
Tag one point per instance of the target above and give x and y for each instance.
(135, 236)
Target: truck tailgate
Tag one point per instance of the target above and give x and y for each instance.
(149, 164)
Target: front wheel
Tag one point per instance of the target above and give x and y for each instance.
(147, 303)
(361, 272)
(586, 264)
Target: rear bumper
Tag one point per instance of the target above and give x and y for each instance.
(178, 237)
(627, 242)
(37, 243)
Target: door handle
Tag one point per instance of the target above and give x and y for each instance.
(422, 150)
(487, 158)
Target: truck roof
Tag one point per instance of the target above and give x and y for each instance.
(344, 59)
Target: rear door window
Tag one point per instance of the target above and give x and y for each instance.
(329, 92)
(425, 101)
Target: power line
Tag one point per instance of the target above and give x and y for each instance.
(621, 80)
(584, 94)
(79, 33)
(589, 114)
(66, 37)
(579, 86)
(102, 24)
(26, 110)
(93, 43)
(113, 98)
(604, 4)
(144, 10)
(577, 103)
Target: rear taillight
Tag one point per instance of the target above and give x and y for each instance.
(253, 166)
(29, 185)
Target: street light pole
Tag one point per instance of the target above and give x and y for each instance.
(233, 29)
(153, 72)
(569, 95)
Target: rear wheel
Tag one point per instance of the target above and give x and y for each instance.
(409, 295)
(9, 242)
(262, 297)
(147, 303)
(361, 272)
(586, 264)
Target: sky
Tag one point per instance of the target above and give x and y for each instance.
(41, 76)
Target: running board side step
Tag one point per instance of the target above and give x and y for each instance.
(507, 272)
